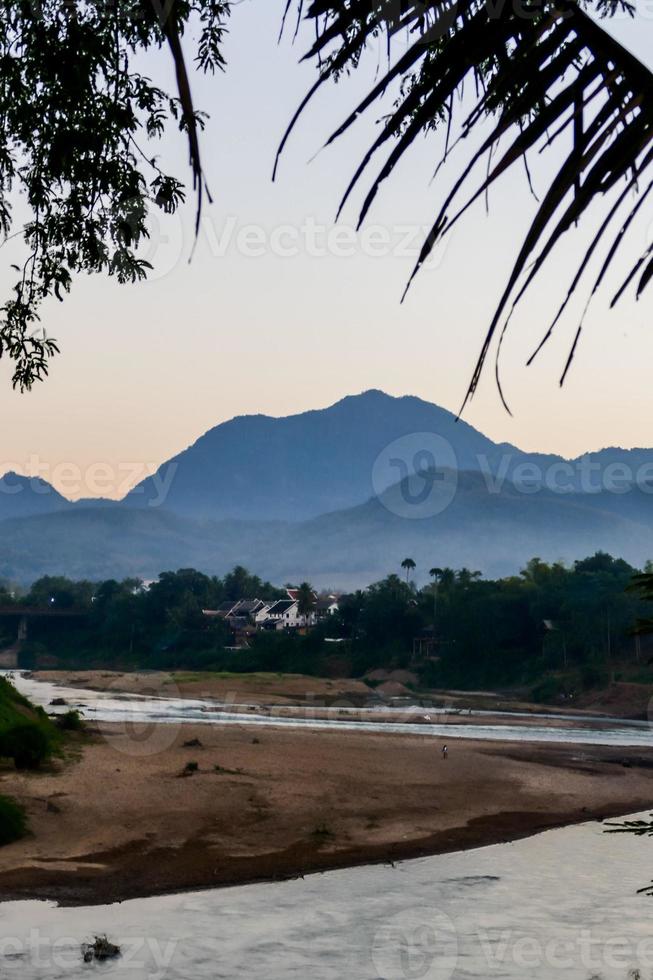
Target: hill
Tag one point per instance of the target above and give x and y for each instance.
(494, 532)
(262, 468)
(22, 496)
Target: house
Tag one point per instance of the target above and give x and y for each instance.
(272, 614)
(261, 613)
(223, 611)
(283, 614)
(294, 594)
(247, 608)
(326, 606)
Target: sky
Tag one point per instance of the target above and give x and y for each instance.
(281, 310)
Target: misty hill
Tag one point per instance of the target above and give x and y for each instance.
(296, 468)
(262, 468)
(494, 532)
(299, 467)
(22, 496)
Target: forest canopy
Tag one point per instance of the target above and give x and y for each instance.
(573, 624)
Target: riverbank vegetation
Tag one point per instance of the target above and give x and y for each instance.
(28, 739)
(553, 629)
(13, 821)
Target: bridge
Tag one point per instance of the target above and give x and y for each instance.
(9, 656)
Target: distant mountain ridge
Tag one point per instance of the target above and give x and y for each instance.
(26, 496)
(494, 532)
(300, 466)
(333, 495)
(257, 467)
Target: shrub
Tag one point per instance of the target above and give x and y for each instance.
(13, 823)
(71, 721)
(27, 744)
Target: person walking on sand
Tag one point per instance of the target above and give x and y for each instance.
(445, 751)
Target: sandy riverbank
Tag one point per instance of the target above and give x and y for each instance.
(255, 688)
(314, 698)
(112, 825)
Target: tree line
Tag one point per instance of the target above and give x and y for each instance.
(553, 628)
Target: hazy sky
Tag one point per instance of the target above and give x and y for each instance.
(275, 315)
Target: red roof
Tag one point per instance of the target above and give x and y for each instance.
(294, 594)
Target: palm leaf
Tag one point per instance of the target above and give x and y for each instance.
(542, 72)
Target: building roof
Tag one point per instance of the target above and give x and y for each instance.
(281, 606)
(248, 606)
(294, 594)
(225, 608)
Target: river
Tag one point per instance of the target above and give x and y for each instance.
(562, 904)
(131, 709)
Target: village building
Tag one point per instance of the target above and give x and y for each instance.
(246, 616)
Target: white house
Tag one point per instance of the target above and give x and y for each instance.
(284, 614)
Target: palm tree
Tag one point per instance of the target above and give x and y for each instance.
(305, 601)
(543, 75)
(408, 565)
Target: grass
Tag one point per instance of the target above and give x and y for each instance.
(13, 822)
(262, 677)
(14, 708)
(18, 716)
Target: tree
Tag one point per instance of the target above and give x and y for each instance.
(436, 575)
(60, 593)
(642, 585)
(79, 122)
(305, 601)
(408, 565)
(545, 73)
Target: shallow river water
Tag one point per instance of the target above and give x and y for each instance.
(126, 709)
(559, 905)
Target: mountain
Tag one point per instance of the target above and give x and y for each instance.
(298, 467)
(339, 496)
(22, 496)
(262, 468)
(494, 532)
